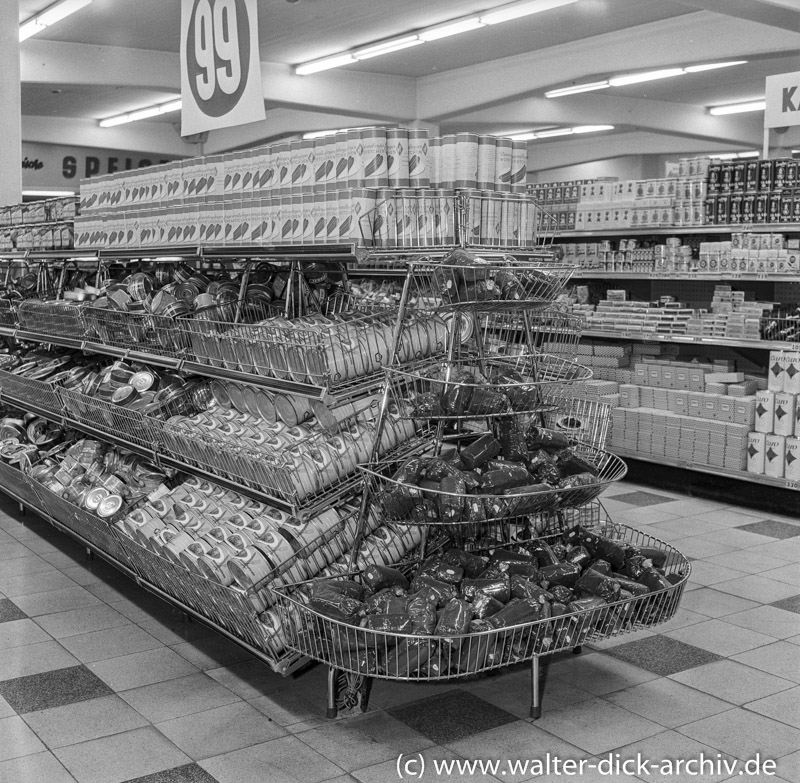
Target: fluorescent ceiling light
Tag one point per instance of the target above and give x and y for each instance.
(577, 88)
(52, 14)
(386, 47)
(522, 137)
(549, 134)
(738, 108)
(322, 134)
(712, 66)
(735, 155)
(647, 76)
(591, 128)
(324, 64)
(516, 10)
(450, 28)
(141, 114)
(48, 193)
(750, 154)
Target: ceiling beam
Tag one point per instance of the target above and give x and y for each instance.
(596, 108)
(659, 44)
(766, 13)
(151, 137)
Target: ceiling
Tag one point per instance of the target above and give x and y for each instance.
(117, 55)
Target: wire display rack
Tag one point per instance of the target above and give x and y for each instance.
(149, 332)
(371, 653)
(17, 483)
(549, 330)
(584, 421)
(413, 504)
(22, 388)
(491, 387)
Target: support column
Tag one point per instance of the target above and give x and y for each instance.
(10, 115)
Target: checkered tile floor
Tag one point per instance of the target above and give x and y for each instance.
(102, 683)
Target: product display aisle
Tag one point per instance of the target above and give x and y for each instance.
(101, 683)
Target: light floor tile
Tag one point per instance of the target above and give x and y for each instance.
(220, 730)
(16, 739)
(84, 720)
(33, 659)
(175, 698)
(176, 632)
(380, 773)
(110, 643)
(599, 674)
(10, 551)
(364, 741)
(757, 559)
(768, 620)
(757, 588)
(682, 618)
(211, 652)
(783, 706)
(657, 759)
(788, 573)
(56, 601)
(18, 566)
(699, 547)
(714, 603)
(705, 573)
(779, 658)
(249, 679)
(121, 757)
(289, 710)
(142, 668)
(732, 681)
(31, 584)
(81, 621)
(689, 527)
(597, 726)
(37, 768)
(18, 633)
(720, 637)
(6, 711)
(668, 702)
(742, 734)
(283, 760)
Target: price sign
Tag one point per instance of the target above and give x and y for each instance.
(791, 484)
(220, 65)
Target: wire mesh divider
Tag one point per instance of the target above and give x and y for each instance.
(22, 486)
(395, 656)
(552, 331)
(56, 317)
(146, 332)
(43, 393)
(586, 421)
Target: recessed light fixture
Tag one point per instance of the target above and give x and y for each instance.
(322, 134)
(738, 108)
(48, 193)
(435, 32)
(141, 114)
(637, 78)
(52, 14)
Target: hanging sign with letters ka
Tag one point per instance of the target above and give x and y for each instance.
(783, 100)
(220, 65)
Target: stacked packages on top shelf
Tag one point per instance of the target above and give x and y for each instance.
(384, 187)
(40, 225)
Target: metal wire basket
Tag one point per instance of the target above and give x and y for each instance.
(22, 487)
(396, 656)
(478, 388)
(489, 284)
(57, 317)
(159, 334)
(586, 421)
(410, 504)
(23, 389)
(549, 330)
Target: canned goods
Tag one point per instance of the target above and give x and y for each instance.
(109, 506)
(466, 160)
(418, 168)
(94, 497)
(124, 395)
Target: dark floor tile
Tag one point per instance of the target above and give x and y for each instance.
(53, 689)
(10, 611)
(188, 773)
(662, 655)
(451, 716)
(790, 604)
(642, 498)
(772, 528)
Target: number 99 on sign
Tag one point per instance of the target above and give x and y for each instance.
(217, 54)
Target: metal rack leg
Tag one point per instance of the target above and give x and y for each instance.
(536, 704)
(89, 554)
(333, 687)
(577, 650)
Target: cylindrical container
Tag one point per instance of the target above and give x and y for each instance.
(435, 161)
(397, 158)
(307, 218)
(466, 161)
(331, 216)
(503, 164)
(320, 230)
(292, 410)
(488, 222)
(519, 166)
(266, 179)
(418, 169)
(345, 217)
(283, 172)
(355, 159)
(487, 150)
(339, 156)
(502, 219)
(385, 223)
(473, 227)
(405, 216)
(362, 206)
(447, 156)
(373, 143)
(324, 163)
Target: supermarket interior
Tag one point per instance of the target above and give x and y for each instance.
(399, 392)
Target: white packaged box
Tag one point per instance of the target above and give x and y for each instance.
(791, 379)
(756, 446)
(792, 459)
(783, 423)
(765, 411)
(776, 371)
(775, 456)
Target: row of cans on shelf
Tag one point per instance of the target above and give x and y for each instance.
(777, 206)
(385, 218)
(355, 158)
